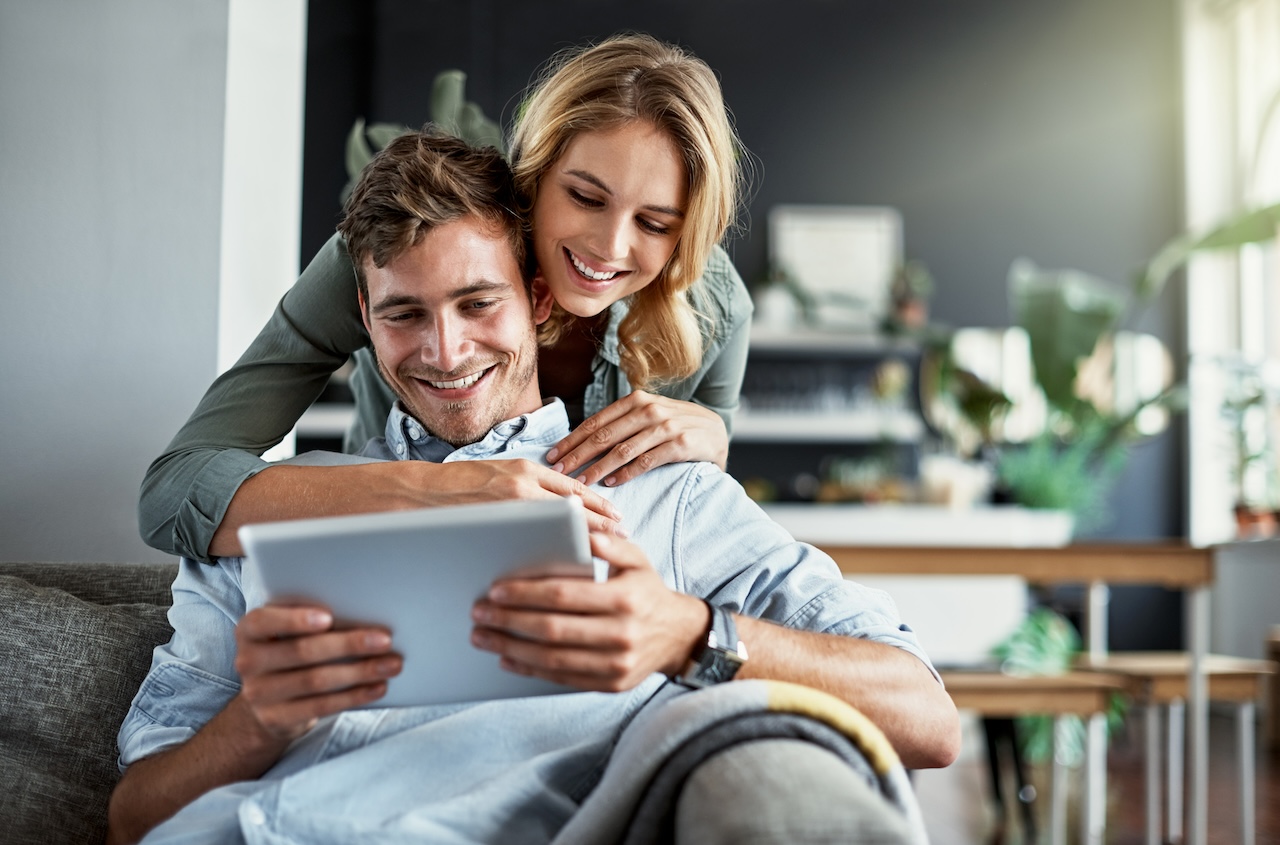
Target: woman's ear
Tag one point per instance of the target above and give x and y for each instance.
(540, 294)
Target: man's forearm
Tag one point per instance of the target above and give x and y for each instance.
(303, 492)
(230, 748)
(890, 686)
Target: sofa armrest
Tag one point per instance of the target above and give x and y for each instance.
(71, 669)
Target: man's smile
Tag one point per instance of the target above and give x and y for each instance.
(460, 383)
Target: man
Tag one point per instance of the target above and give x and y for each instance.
(243, 728)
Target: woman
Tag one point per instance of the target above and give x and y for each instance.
(629, 165)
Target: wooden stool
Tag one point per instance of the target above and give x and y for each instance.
(993, 694)
(1157, 680)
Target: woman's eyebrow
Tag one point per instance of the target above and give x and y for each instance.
(595, 180)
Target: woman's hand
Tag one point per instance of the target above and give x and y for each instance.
(637, 433)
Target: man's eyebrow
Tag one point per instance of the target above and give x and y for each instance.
(394, 301)
(402, 299)
(595, 180)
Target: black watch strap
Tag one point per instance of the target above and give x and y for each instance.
(720, 656)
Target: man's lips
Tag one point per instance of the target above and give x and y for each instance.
(454, 387)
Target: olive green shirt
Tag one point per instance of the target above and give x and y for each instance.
(315, 328)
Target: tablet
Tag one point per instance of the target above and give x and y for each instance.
(417, 573)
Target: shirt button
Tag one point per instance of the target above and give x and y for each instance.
(253, 815)
(414, 433)
(399, 448)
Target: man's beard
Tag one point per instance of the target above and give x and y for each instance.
(465, 422)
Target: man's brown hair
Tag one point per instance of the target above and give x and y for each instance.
(422, 180)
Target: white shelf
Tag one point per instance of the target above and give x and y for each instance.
(814, 340)
(326, 420)
(897, 426)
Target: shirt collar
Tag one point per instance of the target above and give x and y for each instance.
(408, 439)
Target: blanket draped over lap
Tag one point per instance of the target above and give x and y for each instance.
(634, 803)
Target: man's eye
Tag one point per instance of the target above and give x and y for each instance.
(481, 304)
(583, 200)
(401, 317)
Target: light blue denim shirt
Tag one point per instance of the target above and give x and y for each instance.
(510, 771)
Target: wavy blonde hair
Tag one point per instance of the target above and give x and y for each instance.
(623, 79)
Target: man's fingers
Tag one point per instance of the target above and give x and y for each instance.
(584, 668)
(320, 681)
(276, 655)
(619, 552)
(274, 621)
(293, 717)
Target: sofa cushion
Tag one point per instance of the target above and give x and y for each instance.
(71, 668)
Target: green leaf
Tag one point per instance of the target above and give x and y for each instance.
(1064, 313)
(381, 134)
(358, 150)
(1252, 226)
(447, 100)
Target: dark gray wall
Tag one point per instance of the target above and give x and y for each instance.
(110, 198)
(1000, 128)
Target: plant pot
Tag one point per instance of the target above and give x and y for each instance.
(1253, 523)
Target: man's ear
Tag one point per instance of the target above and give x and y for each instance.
(540, 293)
(364, 312)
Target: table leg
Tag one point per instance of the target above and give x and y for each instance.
(1244, 733)
(1095, 797)
(1153, 773)
(1058, 809)
(1198, 712)
(1177, 782)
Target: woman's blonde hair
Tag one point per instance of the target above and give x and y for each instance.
(624, 79)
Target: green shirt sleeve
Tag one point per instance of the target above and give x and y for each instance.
(725, 300)
(252, 406)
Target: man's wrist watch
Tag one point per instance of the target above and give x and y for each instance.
(719, 657)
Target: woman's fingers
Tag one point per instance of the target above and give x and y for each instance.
(637, 433)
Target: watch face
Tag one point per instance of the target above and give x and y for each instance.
(720, 666)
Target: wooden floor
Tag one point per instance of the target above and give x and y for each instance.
(958, 809)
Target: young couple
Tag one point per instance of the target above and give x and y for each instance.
(623, 163)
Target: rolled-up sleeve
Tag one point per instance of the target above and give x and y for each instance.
(781, 580)
(192, 677)
(252, 407)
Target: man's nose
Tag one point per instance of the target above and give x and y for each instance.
(446, 344)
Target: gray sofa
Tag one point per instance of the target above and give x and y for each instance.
(75, 643)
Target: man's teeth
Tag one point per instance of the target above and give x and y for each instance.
(589, 273)
(466, 381)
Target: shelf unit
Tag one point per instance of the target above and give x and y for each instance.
(809, 398)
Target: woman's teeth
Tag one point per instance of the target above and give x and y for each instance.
(588, 272)
(466, 381)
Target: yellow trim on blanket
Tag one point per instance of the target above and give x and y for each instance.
(793, 698)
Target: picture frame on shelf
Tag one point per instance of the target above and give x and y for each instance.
(842, 257)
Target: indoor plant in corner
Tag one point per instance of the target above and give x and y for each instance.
(1067, 316)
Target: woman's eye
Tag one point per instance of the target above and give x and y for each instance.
(583, 200)
(650, 226)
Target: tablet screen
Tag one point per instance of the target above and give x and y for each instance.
(418, 573)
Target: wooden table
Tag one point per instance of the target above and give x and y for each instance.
(1172, 565)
